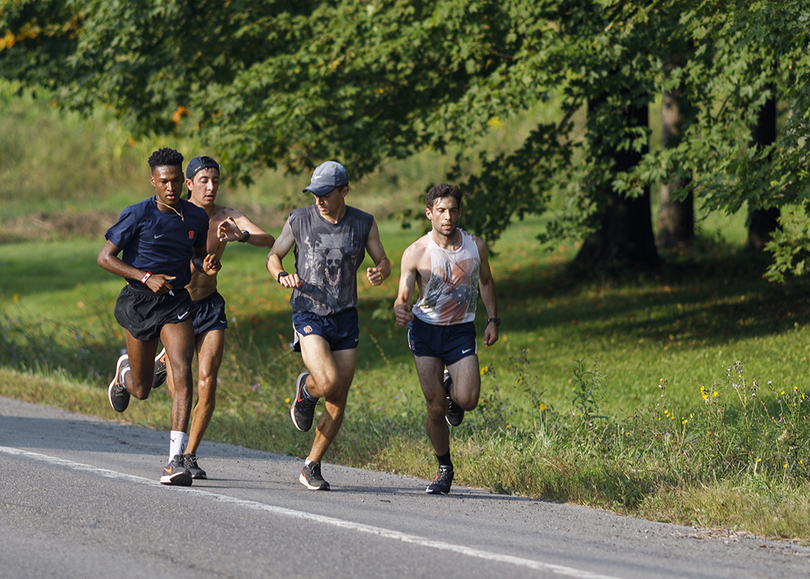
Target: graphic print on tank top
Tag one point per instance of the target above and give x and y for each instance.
(451, 293)
(327, 258)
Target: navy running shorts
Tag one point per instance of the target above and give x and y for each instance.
(209, 314)
(448, 343)
(144, 313)
(340, 330)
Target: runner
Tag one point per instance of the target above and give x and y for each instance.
(159, 238)
(449, 266)
(208, 311)
(330, 240)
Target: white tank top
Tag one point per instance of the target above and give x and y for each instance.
(451, 293)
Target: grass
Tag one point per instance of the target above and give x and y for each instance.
(634, 395)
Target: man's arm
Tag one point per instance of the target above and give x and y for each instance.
(108, 259)
(281, 248)
(382, 265)
(486, 285)
(233, 228)
(407, 281)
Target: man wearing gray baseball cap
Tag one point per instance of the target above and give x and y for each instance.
(330, 240)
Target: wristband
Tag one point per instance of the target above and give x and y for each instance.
(146, 277)
(496, 320)
(281, 274)
(245, 236)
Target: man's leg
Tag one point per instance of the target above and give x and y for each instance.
(430, 371)
(178, 340)
(141, 357)
(466, 379)
(210, 347)
(331, 375)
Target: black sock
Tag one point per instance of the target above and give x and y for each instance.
(444, 460)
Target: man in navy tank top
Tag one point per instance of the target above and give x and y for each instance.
(330, 240)
(450, 268)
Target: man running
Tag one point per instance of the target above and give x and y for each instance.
(450, 267)
(330, 240)
(159, 238)
(208, 312)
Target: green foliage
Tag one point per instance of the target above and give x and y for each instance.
(280, 84)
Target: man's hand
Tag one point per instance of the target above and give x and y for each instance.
(403, 314)
(211, 264)
(228, 230)
(374, 275)
(291, 280)
(159, 283)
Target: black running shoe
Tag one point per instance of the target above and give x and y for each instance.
(117, 392)
(311, 477)
(190, 462)
(441, 484)
(160, 369)
(455, 413)
(175, 473)
(303, 407)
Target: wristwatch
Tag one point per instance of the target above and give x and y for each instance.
(496, 320)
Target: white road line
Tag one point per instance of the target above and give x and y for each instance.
(359, 527)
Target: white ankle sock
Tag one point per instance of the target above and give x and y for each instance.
(177, 443)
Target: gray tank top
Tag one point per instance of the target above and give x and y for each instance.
(327, 257)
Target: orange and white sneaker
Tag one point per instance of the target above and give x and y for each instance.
(175, 473)
(441, 484)
(117, 392)
(160, 369)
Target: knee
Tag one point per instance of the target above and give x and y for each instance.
(468, 401)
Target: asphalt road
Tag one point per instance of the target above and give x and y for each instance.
(80, 498)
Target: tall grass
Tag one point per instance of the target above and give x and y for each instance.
(679, 395)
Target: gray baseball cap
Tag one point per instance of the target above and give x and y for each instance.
(326, 177)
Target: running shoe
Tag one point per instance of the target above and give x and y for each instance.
(160, 369)
(441, 484)
(455, 413)
(117, 392)
(311, 477)
(174, 473)
(190, 462)
(303, 407)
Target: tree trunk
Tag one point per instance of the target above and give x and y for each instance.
(763, 221)
(624, 236)
(676, 217)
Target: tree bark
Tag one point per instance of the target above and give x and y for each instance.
(624, 237)
(676, 217)
(763, 221)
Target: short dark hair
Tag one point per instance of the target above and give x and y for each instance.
(443, 190)
(165, 157)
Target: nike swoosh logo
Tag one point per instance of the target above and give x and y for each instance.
(465, 351)
(161, 235)
(181, 316)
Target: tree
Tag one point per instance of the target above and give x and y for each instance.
(676, 217)
(289, 84)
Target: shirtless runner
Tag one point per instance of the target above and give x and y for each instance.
(210, 321)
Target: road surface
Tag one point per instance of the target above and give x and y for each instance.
(80, 498)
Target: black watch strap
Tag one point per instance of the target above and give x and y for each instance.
(496, 320)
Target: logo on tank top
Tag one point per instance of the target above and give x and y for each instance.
(191, 235)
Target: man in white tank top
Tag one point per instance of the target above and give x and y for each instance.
(450, 267)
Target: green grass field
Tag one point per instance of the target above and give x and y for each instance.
(677, 395)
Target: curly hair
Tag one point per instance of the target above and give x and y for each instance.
(443, 190)
(165, 157)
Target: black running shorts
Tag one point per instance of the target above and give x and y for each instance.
(144, 313)
(209, 314)
(448, 343)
